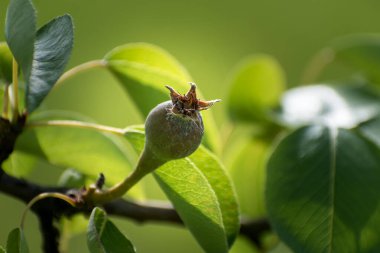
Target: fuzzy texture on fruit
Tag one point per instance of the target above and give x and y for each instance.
(174, 129)
(170, 135)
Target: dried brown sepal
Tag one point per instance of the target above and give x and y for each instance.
(189, 103)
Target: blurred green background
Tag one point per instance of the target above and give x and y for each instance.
(208, 38)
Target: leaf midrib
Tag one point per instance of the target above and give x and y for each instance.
(147, 68)
(220, 214)
(333, 150)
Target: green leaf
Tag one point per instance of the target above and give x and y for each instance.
(360, 52)
(340, 106)
(20, 164)
(2, 89)
(243, 245)
(196, 202)
(322, 191)
(143, 69)
(281, 248)
(371, 130)
(256, 87)
(103, 236)
(73, 226)
(53, 47)
(215, 174)
(248, 171)
(88, 151)
(2, 250)
(5, 63)
(20, 33)
(202, 194)
(16, 242)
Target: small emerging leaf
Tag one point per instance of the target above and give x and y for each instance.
(20, 33)
(104, 237)
(5, 63)
(257, 85)
(16, 242)
(53, 47)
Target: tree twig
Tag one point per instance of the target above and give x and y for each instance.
(50, 209)
(158, 212)
(50, 233)
(139, 212)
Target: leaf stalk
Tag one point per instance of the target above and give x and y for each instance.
(147, 163)
(5, 111)
(78, 69)
(77, 124)
(15, 100)
(44, 196)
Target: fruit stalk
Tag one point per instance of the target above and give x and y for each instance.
(173, 130)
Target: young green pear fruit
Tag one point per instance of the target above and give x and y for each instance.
(174, 129)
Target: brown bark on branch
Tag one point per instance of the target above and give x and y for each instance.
(47, 210)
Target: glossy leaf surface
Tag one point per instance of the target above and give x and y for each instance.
(321, 197)
(20, 33)
(340, 106)
(53, 47)
(104, 237)
(201, 193)
(220, 183)
(16, 242)
(256, 87)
